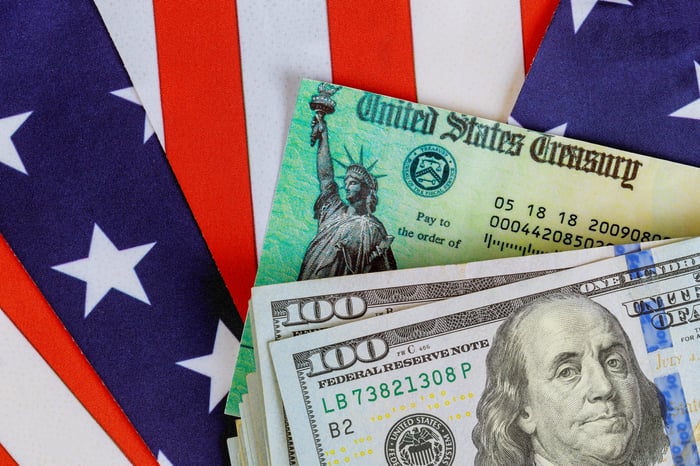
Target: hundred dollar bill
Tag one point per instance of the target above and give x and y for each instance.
(598, 364)
(234, 449)
(242, 454)
(371, 183)
(246, 433)
(290, 309)
(254, 420)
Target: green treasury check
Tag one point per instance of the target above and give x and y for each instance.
(371, 183)
(598, 364)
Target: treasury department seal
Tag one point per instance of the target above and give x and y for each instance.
(419, 440)
(429, 170)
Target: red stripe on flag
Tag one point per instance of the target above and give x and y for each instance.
(372, 46)
(536, 15)
(26, 307)
(205, 133)
(5, 458)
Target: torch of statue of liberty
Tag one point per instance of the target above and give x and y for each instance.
(349, 239)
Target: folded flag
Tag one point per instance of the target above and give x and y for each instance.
(621, 73)
(98, 220)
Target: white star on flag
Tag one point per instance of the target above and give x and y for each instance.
(129, 93)
(163, 460)
(106, 268)
(218, 365)
(8, 152)
(580, 9)
(557, 130)
(692, 110)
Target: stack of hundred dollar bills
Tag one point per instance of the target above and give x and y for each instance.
(437, 289)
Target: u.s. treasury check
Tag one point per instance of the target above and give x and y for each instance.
(453, 188)
(370, 183)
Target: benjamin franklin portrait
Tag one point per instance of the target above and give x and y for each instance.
(564, 388)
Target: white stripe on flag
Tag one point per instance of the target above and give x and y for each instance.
(281, 43)
(468, 55)
(41, 421)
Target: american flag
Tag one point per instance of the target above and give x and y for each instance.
(623, 73)
(92, 210)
